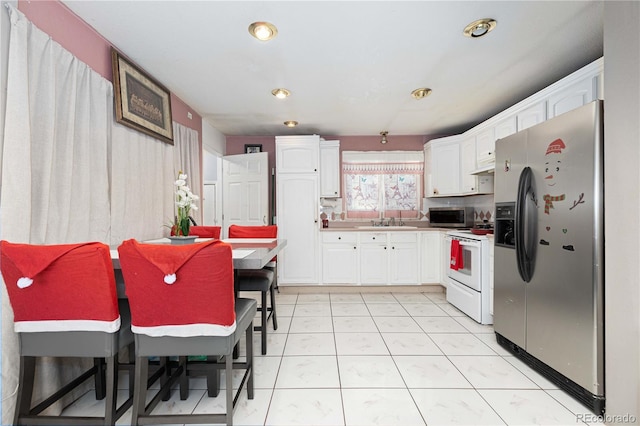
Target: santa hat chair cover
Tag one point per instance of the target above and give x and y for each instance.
(68, 287)
(179, 291)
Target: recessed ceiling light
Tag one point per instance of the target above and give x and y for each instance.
(423, 92)
(480, 27)
(263, 31)
(291, 123)
(280, 93)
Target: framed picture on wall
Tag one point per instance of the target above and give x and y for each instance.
(141, 102)
(250, 149)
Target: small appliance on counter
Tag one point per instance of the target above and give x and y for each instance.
(483, 228)
(451, 217)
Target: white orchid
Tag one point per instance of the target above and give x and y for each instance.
(185, 202)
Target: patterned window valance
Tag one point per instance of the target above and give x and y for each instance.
(383, 168)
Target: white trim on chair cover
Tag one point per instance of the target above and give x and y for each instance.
(67, 325)
(186, 330)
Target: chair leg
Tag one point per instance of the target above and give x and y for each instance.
(273, 308)
(213, 378)
(101, 387)
(184, 379)
(26, 378)
(140, 386)
(229, 391)
(111, 390)
(249, 337)
(166, 364)
(263, 328)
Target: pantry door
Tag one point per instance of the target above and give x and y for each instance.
(245, 190)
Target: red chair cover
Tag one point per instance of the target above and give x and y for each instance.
(205, 231)
(269, 231)
(184, 290)
(68, 287)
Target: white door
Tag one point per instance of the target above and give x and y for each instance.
(246, 190)
(209, 204)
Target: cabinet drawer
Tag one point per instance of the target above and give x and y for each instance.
(404, 237)
(373, 237)
(339, 237)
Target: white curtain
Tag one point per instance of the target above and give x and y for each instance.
(70, 173)
(187, 159)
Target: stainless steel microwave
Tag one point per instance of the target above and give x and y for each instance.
(451, 217)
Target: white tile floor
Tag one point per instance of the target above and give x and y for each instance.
(381, 359)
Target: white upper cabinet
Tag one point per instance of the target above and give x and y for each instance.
(468, 182)
(535, 114)
(297, 154)
(329, 169)
(445, 167)
(572, 97)
(485, 144)
(470, 170)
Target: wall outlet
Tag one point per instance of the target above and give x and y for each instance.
(189, 115)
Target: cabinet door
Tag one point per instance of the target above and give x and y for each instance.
(329, 168)
(533, 115)
(505, 128)
(445, 169)
(339, 263)
(297, 213)
(572, 97)
(485, 147)
(404, 263)
(430, 257)
(374, 261)
(299, 154)
(469, 182)
(428, 182)
(445, 256)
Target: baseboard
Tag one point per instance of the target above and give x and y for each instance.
(307, 289)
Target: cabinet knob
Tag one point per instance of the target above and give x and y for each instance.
(490, 153)
(472, 189)
(339, 238)
(335, 192)
(373, 238)
(385, 248)
(315, 170)
(354, 247)
(393, 248)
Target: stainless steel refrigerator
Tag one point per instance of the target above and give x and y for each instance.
(549, 250)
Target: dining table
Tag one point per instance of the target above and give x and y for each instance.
(248, 253)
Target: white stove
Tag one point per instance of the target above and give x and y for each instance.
(468, 274)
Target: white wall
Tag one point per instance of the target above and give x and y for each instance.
(622, 213)
(212, 139)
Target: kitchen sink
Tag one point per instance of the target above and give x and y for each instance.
(386, 228)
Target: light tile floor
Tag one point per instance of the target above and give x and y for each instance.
(380, 359)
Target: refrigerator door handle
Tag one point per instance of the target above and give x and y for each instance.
(525, 226)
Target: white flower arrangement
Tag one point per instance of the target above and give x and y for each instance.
(185, 202)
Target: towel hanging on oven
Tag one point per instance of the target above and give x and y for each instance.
(456, 262)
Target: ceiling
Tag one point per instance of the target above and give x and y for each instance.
(350, 65)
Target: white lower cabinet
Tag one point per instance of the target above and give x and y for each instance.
(374, 258)
(340, 258)
(430, 257)
(404, 258)
(381, 258)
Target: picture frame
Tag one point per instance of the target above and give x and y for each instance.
(252, 148)
(141, 102)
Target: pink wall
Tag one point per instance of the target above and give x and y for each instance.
(75, 35)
